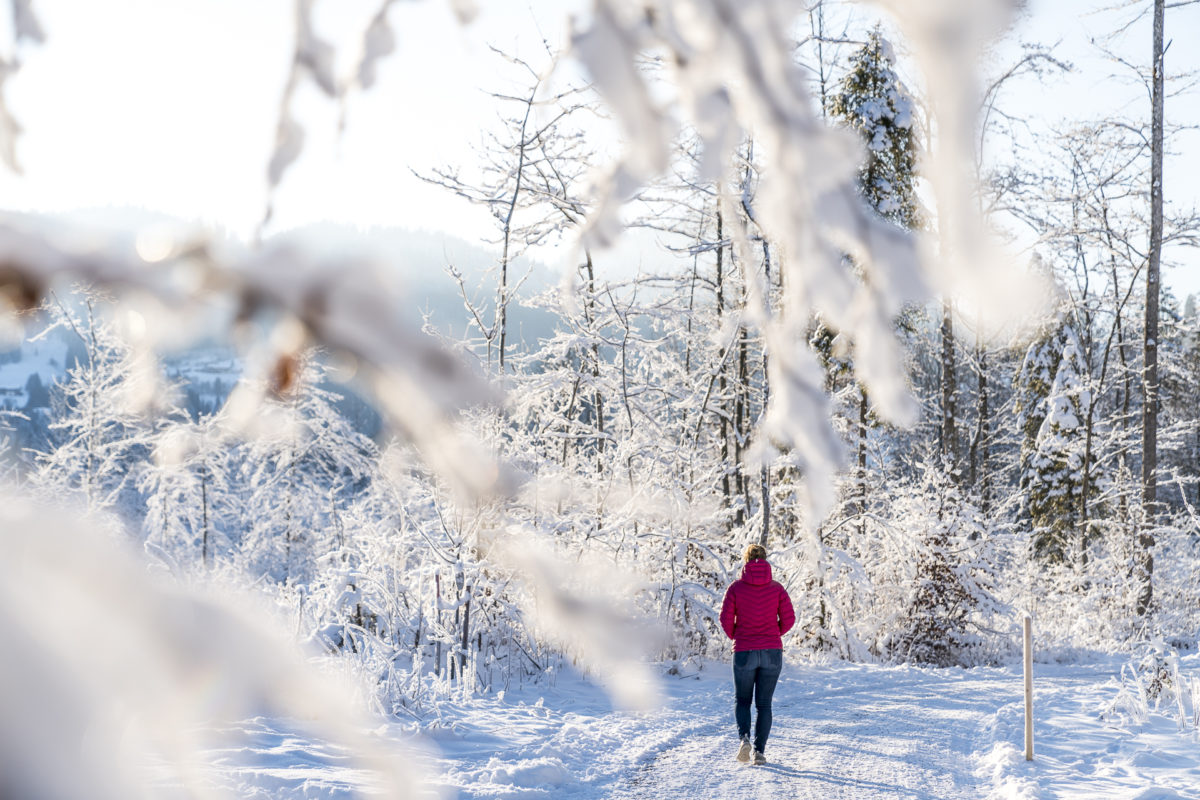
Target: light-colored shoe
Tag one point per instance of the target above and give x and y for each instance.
(745, 749)
(759, 758)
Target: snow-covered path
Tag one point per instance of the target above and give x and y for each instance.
(910, 734)
(841, 731)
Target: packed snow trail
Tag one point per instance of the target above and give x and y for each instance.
(910, 734)
(841, 731)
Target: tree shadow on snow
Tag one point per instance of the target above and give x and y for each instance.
(887, 789)
(781, 770)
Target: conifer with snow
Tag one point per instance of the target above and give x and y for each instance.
(872, 101)
(948, 580)
(1052, 402)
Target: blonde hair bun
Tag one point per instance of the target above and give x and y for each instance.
(755, 552)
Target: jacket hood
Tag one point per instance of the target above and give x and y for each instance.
(757, 573)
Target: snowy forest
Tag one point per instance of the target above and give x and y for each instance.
(918, 345)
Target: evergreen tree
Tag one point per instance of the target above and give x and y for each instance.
(953, 578)
(873, 102)
(1179, 374)
(1052, 401)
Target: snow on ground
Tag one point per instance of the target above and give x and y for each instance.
(266, 759)
(1085, 751)
(47, 358)
(841, 731)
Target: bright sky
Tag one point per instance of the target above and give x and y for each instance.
(171, 106)
(1099, 87)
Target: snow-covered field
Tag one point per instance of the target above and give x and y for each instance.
(841, 731)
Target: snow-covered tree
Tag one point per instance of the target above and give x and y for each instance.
(947, 582)
(530, 181)
(295, 472)
(102, 414)
(1053, 400)
(188, 492)
(872, 101)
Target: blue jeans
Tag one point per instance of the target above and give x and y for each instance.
(755, 673)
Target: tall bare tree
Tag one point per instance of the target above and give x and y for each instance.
(525, 184)
(1145, 564)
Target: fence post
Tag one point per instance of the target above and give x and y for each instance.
(1027, 624)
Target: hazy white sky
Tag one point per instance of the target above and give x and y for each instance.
(1099, 87)
(171, 106)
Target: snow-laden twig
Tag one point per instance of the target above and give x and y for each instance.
(732, 70)
(101, 660)
(348, 304)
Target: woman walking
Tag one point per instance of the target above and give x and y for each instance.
(756, 613)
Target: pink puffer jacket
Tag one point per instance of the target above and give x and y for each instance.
(757, 610)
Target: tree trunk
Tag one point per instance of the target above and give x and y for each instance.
(860, 477)
(949, 421)
(765, 473)
(598, 398)
(1145, 565)
(437, 615)
(980, 477)
(742, 424)
(466, 625)
(519, 174)
(567, 425)
(817, 24)
(723, 384)
(691, 308)
(204, 553)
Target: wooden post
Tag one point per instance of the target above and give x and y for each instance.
(1027, 624)
(462, 653)
(437, 610)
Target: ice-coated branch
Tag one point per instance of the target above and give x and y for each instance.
(730, 69)
(81, 698)
(348, 304)
(313, 60)
(25, 22)
(26, 28)
(379, 41)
